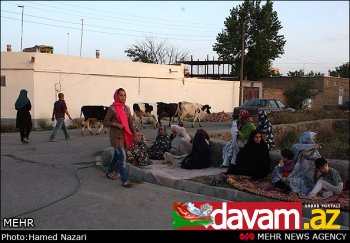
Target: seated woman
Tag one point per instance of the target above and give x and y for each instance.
(160, 146)
(253, 159)
(239, 137)
(305, 152)
(265, 127)
(247, 125)
(227, 151)
(180, 146)
(200, 155)
(137, 154)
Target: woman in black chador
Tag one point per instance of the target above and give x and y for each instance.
(23, 118)
(253, 159)
(200, 155)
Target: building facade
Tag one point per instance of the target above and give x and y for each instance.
(330, 90)
(90, 81)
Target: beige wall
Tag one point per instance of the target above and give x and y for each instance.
(89, 81)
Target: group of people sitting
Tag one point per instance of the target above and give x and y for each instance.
(177, 149)
(300, 170)
(303, 170)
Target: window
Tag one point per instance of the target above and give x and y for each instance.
(3, 81)
(280, 104)
(272, 104)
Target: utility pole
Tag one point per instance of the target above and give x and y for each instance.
(68, 44)
(21, 6)
(241, 69)
(81, 39)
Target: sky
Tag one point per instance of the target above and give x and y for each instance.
(317, 32)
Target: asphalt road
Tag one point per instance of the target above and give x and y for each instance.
(58, 185)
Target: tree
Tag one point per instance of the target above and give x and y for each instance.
(151, 51)
(296, 73)
(262, 43)
(301, 73)
(341, 71)
(304, 90)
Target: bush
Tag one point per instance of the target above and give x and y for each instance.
(287, 140)
(306, 115)
(42, 125)
(9, 128)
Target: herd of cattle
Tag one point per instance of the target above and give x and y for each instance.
(157, 111)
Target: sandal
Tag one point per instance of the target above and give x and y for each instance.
(127, 184)
(111, 176)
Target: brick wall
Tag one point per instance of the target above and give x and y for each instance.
(328, 88)
(274, 94)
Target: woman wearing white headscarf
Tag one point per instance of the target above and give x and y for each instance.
(305, 153)
(180, 146)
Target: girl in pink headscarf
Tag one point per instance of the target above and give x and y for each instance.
(118, 118)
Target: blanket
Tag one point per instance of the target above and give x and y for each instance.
(265, 188)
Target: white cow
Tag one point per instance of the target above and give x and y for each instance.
(146, 110)
(188, 109)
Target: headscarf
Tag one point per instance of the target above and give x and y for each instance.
(180, 145)
(307, 142)
(181, 131)
(162, 140)
(307, 137)
(244, 114)
(121, 115)
(22, 99)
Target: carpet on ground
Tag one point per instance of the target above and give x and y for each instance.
(264, 187)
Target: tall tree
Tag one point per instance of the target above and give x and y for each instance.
(152, 51)
(341, 71)
(262, 43)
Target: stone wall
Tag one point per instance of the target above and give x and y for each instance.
(315, 126)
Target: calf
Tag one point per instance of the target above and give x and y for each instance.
(93, 114)
(166, 110)
(188, 109)
(146, 110)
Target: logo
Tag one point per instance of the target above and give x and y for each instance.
(188, 216)
(246, 236)
(237, 215)
(323, 219)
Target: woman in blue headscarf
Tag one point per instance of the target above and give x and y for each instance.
(305, 152)
(23, 118)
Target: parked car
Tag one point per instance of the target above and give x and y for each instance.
(268, 105)
(344, 106)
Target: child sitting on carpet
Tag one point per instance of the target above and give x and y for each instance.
(282, 170)
(327, 179)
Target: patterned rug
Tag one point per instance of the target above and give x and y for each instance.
(265, 188)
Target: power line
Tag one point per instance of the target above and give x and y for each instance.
(133, 16)
(102, 32)
(103, 27)
(132, 22)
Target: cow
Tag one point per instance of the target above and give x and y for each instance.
(166, 110)
(146, 110)
(188, 109)
(93, 114)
